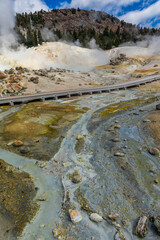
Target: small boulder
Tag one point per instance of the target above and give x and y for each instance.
(96, 217)
(42, 197)
(156, 181)
(2, 75)
(154, 151)
(24, 150)
(115, 140)
(113, 217)
(157, 224)
(158, 107)
(141, 229)
(117, 126)
(75, 216)
(146, 120)
(17, 143)
(11, 71)
(76, 179)
(79, 137)
(42, 225)
(119, 154)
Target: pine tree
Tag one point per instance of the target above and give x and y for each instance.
(35, 38)
(29, 38)
(40, 39)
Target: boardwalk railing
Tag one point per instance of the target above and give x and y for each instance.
(75, 92)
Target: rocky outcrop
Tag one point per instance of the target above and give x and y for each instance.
(2, 75)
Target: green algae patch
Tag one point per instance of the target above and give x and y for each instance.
(67, 231)
(40, 126)
(17, 192)
(75, 177)
(37, 119)
(62, 233)
(117, 107)
(21, 130)
(84, 203)
(71, 175)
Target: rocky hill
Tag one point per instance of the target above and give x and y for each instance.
(77, 25)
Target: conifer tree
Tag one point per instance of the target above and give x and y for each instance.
(40, 40)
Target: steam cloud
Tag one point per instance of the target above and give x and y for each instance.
(7, 37)
(59, 54)
(146, 48)
(56, 54)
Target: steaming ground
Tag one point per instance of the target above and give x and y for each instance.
(58, 66)
(55, 55)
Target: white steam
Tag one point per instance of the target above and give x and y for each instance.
(72, 57)
(61, 55)
(7, 22)
(146, 48)
(48, 35)
(93, 45)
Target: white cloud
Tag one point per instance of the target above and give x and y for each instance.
(29, 6)
(142, 16)
(97, 4)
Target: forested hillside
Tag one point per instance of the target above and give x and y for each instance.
(77, 24)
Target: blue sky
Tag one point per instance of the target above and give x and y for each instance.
(143, 12)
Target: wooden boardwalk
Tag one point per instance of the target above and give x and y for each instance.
(11, 100)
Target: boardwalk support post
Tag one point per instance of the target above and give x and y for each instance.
(11, 103)
(42, 99)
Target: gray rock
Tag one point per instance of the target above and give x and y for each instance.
(146, 120)
(96, 217)
(42, 225)
(154, 151)
(75, 216)
(141, 229)
(24, 150)
(115, 140)
(42, 197)
(76, 179)
(157, 223)
(158, 107)
(118, 154)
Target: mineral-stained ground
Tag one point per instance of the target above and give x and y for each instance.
(17, 206)
(98, 161)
